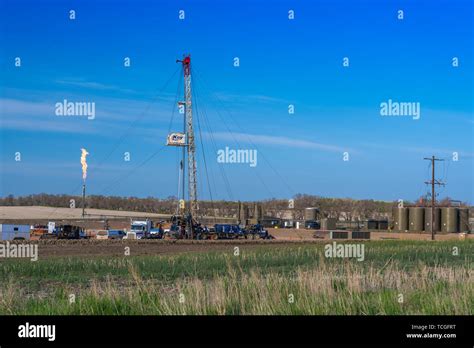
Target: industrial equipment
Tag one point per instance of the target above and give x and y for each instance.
(69, 232)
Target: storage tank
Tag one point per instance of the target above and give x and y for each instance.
(310, 214)
(437, 219)
(328, 223)
(416, 217)
(449, 220)
(243, 212)
(400, 219)
(463, 219)
(258, 213)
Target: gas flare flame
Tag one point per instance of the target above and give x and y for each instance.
(84, 163)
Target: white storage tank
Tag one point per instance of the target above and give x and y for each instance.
(12, 232)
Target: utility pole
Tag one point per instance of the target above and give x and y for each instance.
(433, 182)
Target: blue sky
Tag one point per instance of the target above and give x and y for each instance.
(282, 62)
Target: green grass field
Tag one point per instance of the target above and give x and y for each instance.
(396, 277)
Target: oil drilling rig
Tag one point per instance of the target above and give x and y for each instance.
(184, 222)
(185, 218)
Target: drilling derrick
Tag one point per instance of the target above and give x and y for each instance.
(186, 141)
(192, 180)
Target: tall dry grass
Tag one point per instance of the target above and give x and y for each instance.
(342, 288)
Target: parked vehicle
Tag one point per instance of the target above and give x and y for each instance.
(141, 228)
(312, 225)
(102, 234)
(14, 232)
(258, 231)
(116, 234)
(130, 235)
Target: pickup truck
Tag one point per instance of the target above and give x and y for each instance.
(258, 231)
(116, 234)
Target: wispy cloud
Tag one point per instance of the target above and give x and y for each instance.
(248, 98)
(93, 85)
(280, 141)
(429, 150)
(22, 107)
(423, 150)
(50, 126)
(115, 115)
(32, 115)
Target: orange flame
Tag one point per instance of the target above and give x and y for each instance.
(84, 163)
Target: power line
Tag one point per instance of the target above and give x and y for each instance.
(125, 134)
(239, 145)
(202, 149)
(207, 123)
(116, 182)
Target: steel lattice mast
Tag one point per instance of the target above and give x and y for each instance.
(192, 175)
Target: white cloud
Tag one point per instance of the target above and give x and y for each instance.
(21, 107)
(281, 141)
(93, 85)
(112, 114)
(248, 98)
(420, 149)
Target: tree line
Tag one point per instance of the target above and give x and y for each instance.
(340, 208)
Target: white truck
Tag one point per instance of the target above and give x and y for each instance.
(141, 228)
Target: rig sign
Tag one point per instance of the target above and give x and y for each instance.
(176, 139)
